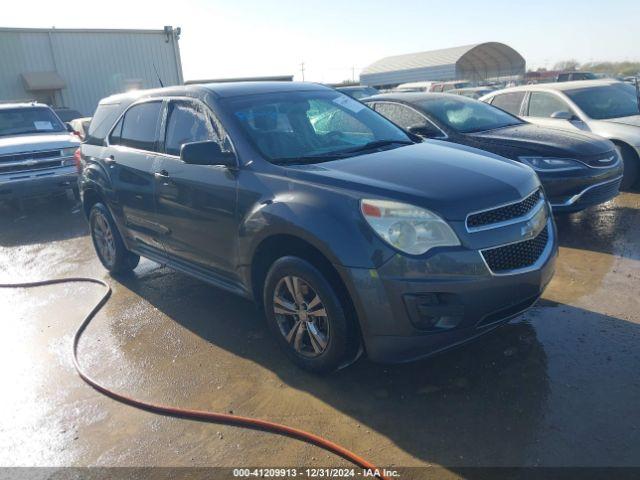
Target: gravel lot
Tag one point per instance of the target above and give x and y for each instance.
(558, 387)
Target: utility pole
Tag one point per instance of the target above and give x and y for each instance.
(302, 70)
(353, 73)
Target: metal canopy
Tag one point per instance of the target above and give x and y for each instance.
(471, 62)
(35, 81)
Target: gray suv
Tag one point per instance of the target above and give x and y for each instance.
(36, 152)
(351, 234)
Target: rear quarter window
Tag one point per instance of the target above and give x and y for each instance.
(102, 121)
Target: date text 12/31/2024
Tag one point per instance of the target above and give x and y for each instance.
(314, 473)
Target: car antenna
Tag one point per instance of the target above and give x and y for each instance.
(158, 75)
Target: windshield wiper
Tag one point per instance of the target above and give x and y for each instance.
(376, 144)
(349, 152)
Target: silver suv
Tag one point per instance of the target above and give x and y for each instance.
(36, 152)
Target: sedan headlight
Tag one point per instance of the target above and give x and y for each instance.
(68, 152)
(550, 164)
(410, 229)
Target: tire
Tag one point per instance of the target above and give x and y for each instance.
(305, 346)
(108, 243)
(631, 167)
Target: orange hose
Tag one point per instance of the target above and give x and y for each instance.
(200, 415)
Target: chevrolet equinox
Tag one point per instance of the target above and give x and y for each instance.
(351, 234)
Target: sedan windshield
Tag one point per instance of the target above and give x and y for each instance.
(465, 115)
(19, 121)
(312, 126)
(609, 101)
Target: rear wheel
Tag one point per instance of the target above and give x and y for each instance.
(107, 241)
(631, 166)
(305, 315)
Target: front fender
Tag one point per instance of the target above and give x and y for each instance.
(329, 221)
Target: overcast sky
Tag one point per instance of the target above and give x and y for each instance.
(334, 39)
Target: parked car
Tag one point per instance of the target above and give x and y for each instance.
(36, 152)
(451, 85)
(358, 91)
(572, 76)
(412, 87)
(345, 230)
(576, 170)
(67, 114)
(472, 92)
(605, 107)
(80, 126)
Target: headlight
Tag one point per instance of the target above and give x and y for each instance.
(68, 152)
(410, 229)
(549, 164)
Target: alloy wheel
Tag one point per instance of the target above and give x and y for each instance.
(105, 242)
(301, 316)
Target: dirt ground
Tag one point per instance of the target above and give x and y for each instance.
(558, 387)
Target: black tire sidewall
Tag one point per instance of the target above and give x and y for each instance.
(631, 168)
(124, 261)
(339, 328)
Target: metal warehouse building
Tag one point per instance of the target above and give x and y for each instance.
(481, 61)
(75, 68)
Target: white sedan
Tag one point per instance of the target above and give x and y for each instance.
(607, 108)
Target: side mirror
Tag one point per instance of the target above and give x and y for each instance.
(424, 130)
(69, 128)
(563, 115)
(206, 153)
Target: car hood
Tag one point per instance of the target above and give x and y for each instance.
(451, 180)
(37, 142)
(633, 120)
(534, 139)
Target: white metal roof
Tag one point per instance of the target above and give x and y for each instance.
(480, 60)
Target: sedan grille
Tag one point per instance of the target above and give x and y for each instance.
(602, 192)
(505, 213)
(516, 256)
(602, 160)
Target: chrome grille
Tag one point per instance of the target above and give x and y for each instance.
(504, 213)
(30, 161)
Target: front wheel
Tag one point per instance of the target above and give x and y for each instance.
(306, 317)
(107, 241)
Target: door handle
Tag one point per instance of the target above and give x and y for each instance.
(161, 174)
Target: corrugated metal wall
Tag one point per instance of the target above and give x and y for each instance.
(93, 63)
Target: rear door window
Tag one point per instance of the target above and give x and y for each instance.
(401, 115)
(509, 102)
(140, 126)
(542, 104)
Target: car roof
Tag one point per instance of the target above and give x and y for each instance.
(353, 87)
(22, 105)
(561, 86)
(221, 90)
(409, 97)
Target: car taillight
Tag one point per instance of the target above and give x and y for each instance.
(78, 160)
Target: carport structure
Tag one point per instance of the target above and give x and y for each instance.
(481, 61)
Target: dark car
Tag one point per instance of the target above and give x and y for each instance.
(358, 91)
(67, 114)
(350, 235)
(577, 170)
(572, 76)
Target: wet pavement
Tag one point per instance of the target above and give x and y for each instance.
(558, 387)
